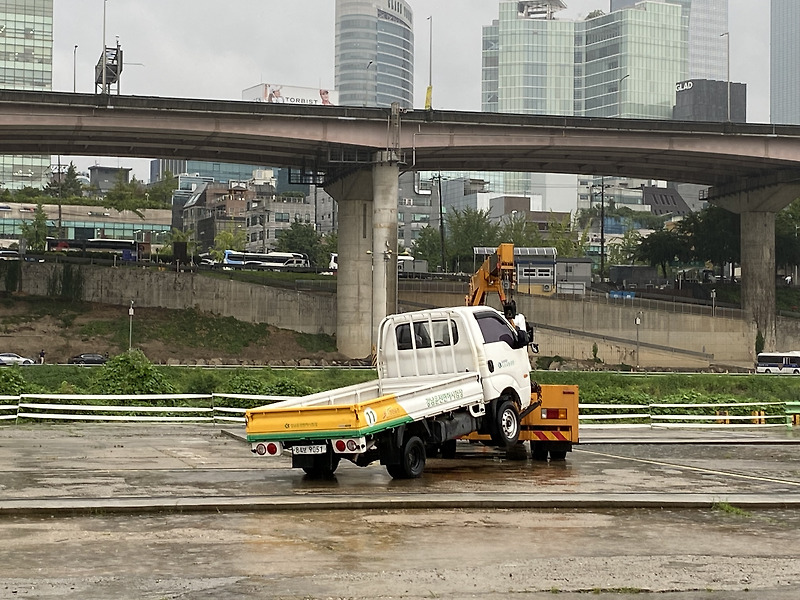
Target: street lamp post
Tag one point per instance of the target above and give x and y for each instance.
(429, 94)
(638, 323)
(74, 70)
(619, 95)
(130, 327)
(728, 54)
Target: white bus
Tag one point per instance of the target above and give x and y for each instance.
(782, 363)
(269, 260)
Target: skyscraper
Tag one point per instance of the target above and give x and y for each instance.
(708, 20)
(624, 64)
(374, 53)
(26, 52)
(785, 63)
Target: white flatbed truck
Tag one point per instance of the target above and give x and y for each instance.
(443, 374)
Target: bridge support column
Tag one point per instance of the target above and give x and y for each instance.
(384, 242)
(367, 275)
(757, 202)
(758, 272)
(354, 277)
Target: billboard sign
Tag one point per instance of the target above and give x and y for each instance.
(284, 94)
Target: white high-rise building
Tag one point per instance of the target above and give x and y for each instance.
(785, 62)
(26, 51)
(374, 53)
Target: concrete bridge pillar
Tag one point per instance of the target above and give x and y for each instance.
(367, 275)
(758, 272)
(757, 202)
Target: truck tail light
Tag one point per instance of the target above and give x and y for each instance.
(267, 448)
(350, 445)
(554, 413)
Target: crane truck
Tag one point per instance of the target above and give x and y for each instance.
(443, 374)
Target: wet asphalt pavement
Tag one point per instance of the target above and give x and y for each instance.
(174, 511)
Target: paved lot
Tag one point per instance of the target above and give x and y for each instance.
(118, 511)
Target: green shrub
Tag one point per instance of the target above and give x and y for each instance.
(202, 381)
(288, 387)
(11, 382)
(132, 373)
(243, 382)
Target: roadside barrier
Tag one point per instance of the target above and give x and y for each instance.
(215, 408)
(8, 411)
(115, 408)
(686, 415)
(792, 414)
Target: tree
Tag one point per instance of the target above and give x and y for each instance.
(594, 14)
(663, 247)
(568, 243)
(428, 247)
(302, 238)
(35, 232)
(713, 236)
(623, 251)
(176, 235)
(466, 230)
(66, 186)
(228, 240)
(518, 231)
(126, 196)
(160, 192)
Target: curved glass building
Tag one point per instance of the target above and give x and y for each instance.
(374, 53)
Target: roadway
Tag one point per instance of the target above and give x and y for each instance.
(131, 511)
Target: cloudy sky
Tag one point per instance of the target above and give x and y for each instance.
(198, 49)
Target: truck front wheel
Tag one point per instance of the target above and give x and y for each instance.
(505, 431)
(412, 462)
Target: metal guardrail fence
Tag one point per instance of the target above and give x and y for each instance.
(211, 409)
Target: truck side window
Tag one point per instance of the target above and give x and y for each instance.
(444, 336)
(423, 338)
(403, 333)
(495, 329)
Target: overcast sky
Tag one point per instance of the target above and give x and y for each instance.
(213, 49)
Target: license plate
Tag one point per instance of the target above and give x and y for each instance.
(309, 449)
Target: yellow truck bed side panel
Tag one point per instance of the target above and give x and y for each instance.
(308, 422)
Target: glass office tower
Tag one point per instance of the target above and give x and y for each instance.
(26, 63)
(374, 53)
(708, 49)
(623, 64)
(785, 63)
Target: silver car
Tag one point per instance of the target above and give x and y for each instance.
(9, 358)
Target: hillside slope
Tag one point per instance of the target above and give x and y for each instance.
(64, 329)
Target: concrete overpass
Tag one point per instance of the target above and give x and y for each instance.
(357, 153)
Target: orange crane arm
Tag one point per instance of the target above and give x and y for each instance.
(496, 274)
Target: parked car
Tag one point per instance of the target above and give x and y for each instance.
(87, 358)
(9, 358)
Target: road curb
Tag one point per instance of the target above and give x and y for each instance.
(110, 506)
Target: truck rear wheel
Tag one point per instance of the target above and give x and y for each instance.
(505, 430)
(412, 462)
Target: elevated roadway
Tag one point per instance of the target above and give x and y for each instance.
(357, 153)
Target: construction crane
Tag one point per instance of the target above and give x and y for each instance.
(498, 274)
